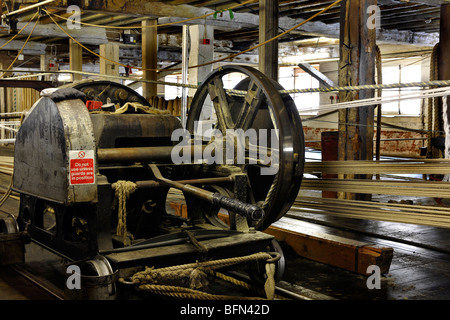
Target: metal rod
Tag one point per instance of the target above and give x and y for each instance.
(184, 74)
(153, 154)
(155, 184)
(244, 209)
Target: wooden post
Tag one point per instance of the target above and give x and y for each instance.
(356, 67)
(268, 28)
(111, 52)
(3, 100)
(444, 73)
(444, 44)
(149, 57)
(44, 65)
(76, 59)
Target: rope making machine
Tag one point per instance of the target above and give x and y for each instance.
(94, 166)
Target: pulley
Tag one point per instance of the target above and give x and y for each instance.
(272, 131)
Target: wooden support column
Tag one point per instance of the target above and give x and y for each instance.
(444, 73)
(111, 52)
(76, 59)
(45, 65)
(444, 44)
(3, 100)
(268, 28)
(356, 67)
(149, 57)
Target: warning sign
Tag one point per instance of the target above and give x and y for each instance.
(81, 167)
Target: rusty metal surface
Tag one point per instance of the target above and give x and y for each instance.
(47, 135)
(133, 130)
(158, 256)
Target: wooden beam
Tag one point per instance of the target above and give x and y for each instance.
(85, 34)
(31, 48)
(168, 13)
(344, 253)
(356, 67)
(149, 57)
(76, 59)
(111, 52)
(319, 76)
(268, 28)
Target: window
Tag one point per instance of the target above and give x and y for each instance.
(401, 74)
(295, 78)
(172, 92)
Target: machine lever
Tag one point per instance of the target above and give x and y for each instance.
(244, 209)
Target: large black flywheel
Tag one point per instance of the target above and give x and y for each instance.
(254, 108)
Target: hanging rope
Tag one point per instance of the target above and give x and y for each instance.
(379, 106)
(123, 190)
(446, 152)
(432, 102)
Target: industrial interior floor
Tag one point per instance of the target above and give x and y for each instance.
(420, 268)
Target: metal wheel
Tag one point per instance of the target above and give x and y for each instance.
(260, 107)
(8, 225)
(99, 267)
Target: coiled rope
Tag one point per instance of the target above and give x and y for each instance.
(190, 280)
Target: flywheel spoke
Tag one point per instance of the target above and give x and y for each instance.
(252, 101)
(219, 98)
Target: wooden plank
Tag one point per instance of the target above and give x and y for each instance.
(308, 241)
(348, 254)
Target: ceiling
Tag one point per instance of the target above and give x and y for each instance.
(240, 33)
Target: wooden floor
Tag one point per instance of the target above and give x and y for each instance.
(416, 273)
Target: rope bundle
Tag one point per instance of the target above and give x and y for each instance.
(123, 190)
(188, 281)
